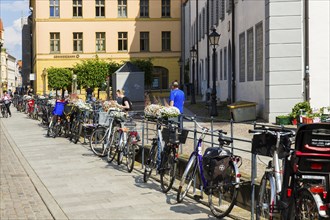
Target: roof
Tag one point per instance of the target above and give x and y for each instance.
(128, 67)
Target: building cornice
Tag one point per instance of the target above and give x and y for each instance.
(104, 19)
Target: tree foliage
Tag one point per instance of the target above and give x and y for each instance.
(91, 73)
(59, 78)
(147, 67)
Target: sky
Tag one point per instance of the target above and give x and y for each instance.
(11, 12)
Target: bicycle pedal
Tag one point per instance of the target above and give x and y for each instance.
(198, 197)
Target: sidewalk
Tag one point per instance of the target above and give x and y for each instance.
(75, 184)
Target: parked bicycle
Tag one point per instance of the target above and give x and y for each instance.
(153, 161)
(218, 172)
(272, 201)
(3, 109)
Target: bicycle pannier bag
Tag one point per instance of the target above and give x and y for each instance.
(215, 163)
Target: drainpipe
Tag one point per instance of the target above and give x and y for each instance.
(208, 40)
(306, 51)
(233, 54)
(197, 57)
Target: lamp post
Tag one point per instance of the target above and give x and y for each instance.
(193, 54)
(214, 40)
(74, 80)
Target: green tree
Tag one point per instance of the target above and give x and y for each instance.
(91, 73)
(59, 78)
(147, 67)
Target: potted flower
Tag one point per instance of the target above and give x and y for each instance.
(299, 110)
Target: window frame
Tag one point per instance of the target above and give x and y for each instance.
(166, 41)
(259, 51)
(77, 40)
(166, 8)
(53, 5)
(242, 57)
(144, 41)
(122, 8)
(100, 8)
(123, 41)
(53, 39)
(249, 55)
(144, 8)
(77, 7)
(100, 41)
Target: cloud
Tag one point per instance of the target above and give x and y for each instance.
(13, 6)
(13, 36)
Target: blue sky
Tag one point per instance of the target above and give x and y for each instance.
(11, 12)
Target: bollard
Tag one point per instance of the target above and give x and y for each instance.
(232, 134)
(147, 132)
(212, 130)
(142, 158)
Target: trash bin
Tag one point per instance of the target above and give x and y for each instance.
(243, 111)
(208, 94)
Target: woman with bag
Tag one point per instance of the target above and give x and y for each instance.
(6, 98)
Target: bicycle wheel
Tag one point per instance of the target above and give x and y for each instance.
(120, 154)
(151, 162)
(306, 207)
(130, 156)
(187, 178)
(223, 193)
(51, 127)
(114, 144)
(266, 197)
(168, 168)
(76, 131)
(97, 141)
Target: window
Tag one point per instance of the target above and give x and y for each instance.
(217, 10)
(144, 41)
(199, 27)
(159, 78)
(77, 42)
(166, 8)
(144, 8)
(99, 8)
(77, 8)
(122, 8)
(221, 73)
(100, 41)
(204, 23)
(250, 54)
(222, 9)
(225, 63)
(242, 57)
(166, 41)
(212, 13)
(55, 42)
(122, 41)
(229, 5)
(54, 8)
(259, 51)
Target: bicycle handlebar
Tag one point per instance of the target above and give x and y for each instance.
(204, 129)
(272, 132)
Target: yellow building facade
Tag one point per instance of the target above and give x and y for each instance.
(65, 32)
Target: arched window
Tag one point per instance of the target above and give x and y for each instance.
(159, 78)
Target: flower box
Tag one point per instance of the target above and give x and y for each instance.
(283, 120)
(307, 120)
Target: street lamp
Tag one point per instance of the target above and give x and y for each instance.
(193, 55)
(214, 40)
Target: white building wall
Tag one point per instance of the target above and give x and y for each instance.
(248, 14)
(319, 53)
(11, 72)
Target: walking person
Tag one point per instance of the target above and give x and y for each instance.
(126, 103)
(6, 98)
(177, 97)
(89, 93)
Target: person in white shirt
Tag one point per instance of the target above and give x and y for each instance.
(6, 98)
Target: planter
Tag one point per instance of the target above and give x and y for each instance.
(243, 111)
(324, 117)
(283, 120)
(307, 120)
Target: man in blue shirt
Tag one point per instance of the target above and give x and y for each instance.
(177, 97)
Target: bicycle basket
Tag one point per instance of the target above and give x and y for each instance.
(104, 119)
(264, 145)
(172, 135)
(59, 108)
